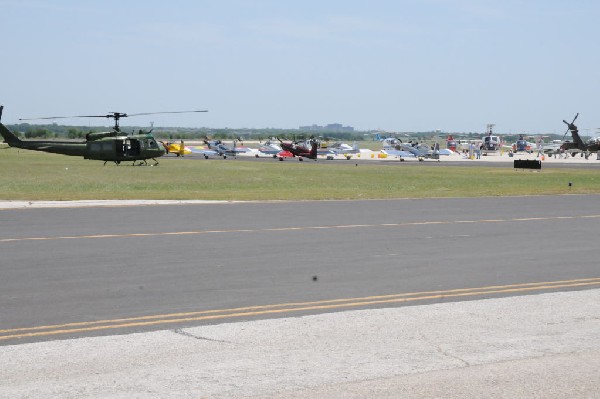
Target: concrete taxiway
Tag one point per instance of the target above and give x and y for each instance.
(194, 300)
(542, 346)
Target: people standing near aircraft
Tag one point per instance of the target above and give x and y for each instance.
(540, 147)
(471, 150)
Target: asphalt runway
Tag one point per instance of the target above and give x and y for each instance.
(72, 272)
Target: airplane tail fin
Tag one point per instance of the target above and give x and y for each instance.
(313, 149)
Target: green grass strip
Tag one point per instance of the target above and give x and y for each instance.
(29, 175)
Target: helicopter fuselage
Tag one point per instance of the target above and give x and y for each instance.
(108, 147)
(124, 148)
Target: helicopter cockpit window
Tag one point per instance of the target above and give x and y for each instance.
(100, 146)
(152, 144)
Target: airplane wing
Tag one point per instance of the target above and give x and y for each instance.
(398, 153)
(203, 151)
(175, 148)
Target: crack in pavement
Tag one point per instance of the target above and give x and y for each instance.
(439, 349)
(190, 335)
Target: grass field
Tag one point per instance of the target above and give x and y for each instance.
(29, 175)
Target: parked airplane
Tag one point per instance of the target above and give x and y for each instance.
(219, 148)
(178, 149)
(269, 147)
(306, 149)
(340, 148)
(393, 146)
(553, 147)
(419, 150)
(344, 148)
(451, 144)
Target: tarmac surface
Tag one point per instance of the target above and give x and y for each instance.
(539, 346)
(107, 269)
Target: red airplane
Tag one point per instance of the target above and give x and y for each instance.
(451, 143)
(307, 149)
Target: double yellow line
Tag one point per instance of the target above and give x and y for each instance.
(347, 303)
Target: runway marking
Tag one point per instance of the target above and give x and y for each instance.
(333, 304)
(295, 228)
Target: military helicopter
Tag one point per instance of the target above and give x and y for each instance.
(114, 146)
(578, 146)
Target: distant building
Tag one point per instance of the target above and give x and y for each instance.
(332, 127)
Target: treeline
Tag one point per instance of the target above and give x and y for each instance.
(51, 131)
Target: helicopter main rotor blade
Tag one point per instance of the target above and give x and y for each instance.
(166, 112)
(114, 115)
(65, 117)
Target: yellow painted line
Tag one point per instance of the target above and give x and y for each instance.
(174, 318)
(349, 226)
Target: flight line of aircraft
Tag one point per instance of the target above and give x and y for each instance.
(117, 146)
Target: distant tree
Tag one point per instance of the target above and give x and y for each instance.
(72, 133)
(37, 133)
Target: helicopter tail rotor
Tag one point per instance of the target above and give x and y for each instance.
(569, 126)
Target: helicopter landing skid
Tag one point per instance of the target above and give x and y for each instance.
(144, 162)
(116, 162)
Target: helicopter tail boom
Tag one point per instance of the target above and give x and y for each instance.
(10, 137)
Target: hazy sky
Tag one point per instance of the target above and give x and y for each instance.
(398, 65)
